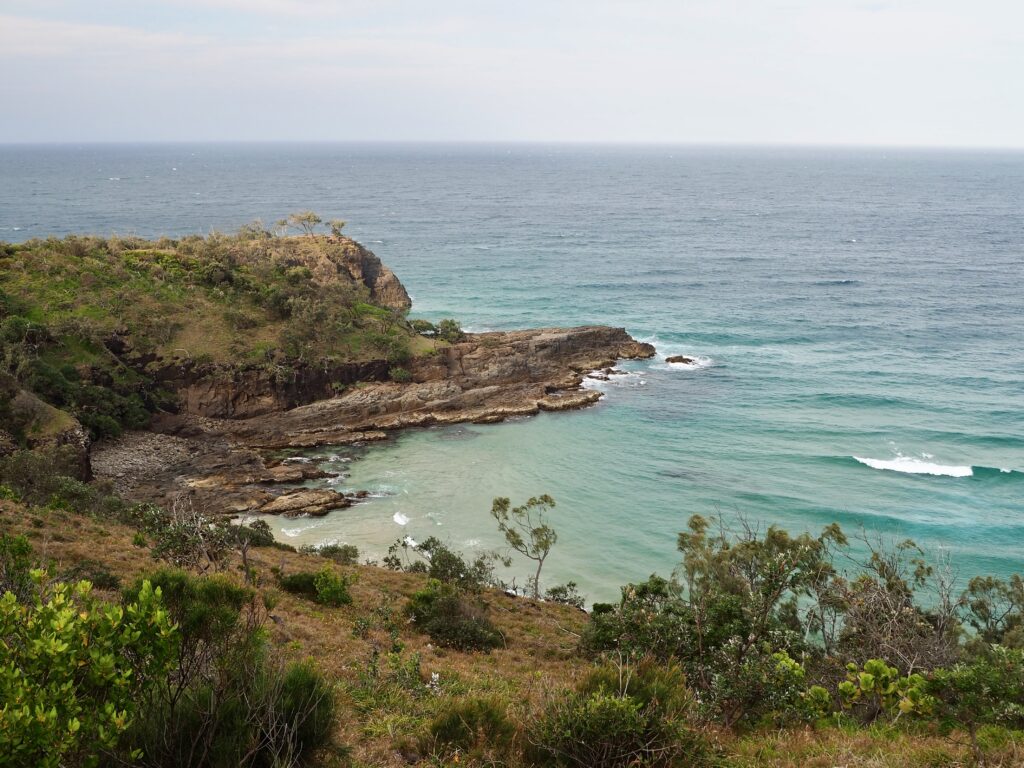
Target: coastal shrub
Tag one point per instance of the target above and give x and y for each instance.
(452, 619)
(618, 717)
(256, 534)
(761, 688)
(342, 554)
(331, 589)
(436, 559)
(36, 476)
(16, 563)
(878, 688)
(229, 702)
(988, 689)
(996, 610)
(475, 727)
(76, 672)
(449, 330)
(565, 594)
(399, 374)
(325, 586)
(423, 327)
(300, 583)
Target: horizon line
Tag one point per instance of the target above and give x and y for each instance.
(517, 143)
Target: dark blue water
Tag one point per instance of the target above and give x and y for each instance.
(858, 318)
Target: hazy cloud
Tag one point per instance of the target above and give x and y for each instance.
(908, 72)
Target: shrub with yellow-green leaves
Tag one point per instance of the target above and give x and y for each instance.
(878, 688)
(73, 669)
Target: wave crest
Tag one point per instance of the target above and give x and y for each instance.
(914, 466)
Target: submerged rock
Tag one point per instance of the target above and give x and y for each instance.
(679, 359)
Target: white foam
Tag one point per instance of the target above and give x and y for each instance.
(399, 518)
(915, 466)
(410, 541)
(699, 362)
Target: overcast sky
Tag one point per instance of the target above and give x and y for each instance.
(906, 72)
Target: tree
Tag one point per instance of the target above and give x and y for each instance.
(527, 531)
(449, 330)
(336, 225)
(307, 221)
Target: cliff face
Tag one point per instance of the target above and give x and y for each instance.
(344, 258)
(486, 378)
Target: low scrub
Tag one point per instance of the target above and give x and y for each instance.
(452, 618)
(325, 586)
(620, 717)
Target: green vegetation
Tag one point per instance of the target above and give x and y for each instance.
(76, 672)
(85, 322)
(452, 618)
(526, 530)
(325, 586)
(621, 716)
(762, 649)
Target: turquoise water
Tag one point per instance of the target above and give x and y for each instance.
(842, 303)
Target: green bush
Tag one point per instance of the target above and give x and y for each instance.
(565, 594)
(476, 727)
(325, 586)
(449, 330)
(76, 671)
(399, 374)
(331, 589)
(300, 583)
(16, 566)
(452, 619)
(230, 702)
(342, 554)
(305, 701)
(987, 689)
(620, 717)
(442, 563)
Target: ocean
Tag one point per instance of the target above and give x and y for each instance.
(856, 317)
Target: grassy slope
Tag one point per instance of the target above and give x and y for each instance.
(539, 660)
(249, 299)
(224, 298)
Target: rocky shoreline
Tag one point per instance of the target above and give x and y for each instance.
(233, 465)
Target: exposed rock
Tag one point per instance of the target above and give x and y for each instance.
(679, 359)
(314, 502)
(486, 378)
(363, 266)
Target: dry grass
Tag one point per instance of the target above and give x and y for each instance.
(539, 658)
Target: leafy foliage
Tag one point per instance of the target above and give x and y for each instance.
(75, 671)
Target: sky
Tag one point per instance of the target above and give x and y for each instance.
(846, 72)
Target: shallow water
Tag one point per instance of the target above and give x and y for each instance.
(859, 315)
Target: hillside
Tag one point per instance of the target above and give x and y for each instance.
(150, 392)
(102, 327)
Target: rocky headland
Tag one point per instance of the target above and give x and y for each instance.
(235, 465)
(204, 365)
